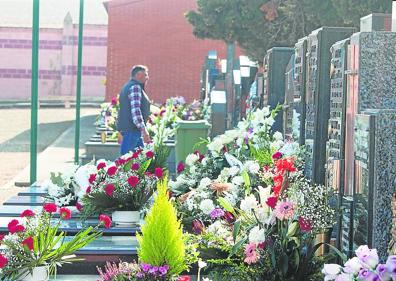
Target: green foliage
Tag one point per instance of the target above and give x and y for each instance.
(257, 25)
(162, 241)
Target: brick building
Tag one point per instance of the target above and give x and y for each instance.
(58, 49)
(157, 34)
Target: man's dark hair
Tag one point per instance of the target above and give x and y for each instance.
(138, 68)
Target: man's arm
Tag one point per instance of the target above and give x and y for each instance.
(135, 95)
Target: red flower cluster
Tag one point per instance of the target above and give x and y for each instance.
(180, 167)
(135, 166)
(109, 189)
(184, 278)
(65, 213)
(50, 208)
(305, 225)
(27, 213)
(14, 227)
(158, 172)
(3, 261)
(101, 165)
(149, 154)
(133, 181)
(92, 178)
(285, 164)
(105, 220)
(112, 171)
(28, 242)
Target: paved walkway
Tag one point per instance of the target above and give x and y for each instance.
(58, 156)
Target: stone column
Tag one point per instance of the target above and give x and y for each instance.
(67, 60)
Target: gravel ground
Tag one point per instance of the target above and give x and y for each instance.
(15, 138)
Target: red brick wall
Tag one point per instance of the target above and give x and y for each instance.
(156, 33)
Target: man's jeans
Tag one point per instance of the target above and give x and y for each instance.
(131, 141)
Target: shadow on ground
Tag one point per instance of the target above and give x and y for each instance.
(48, 133)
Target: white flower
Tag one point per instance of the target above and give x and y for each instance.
(216, 145)
(202, 264)
(331, 271)
(262, 213)
(269, 121)
(278, 136)
(217, 228)
(204, 183)
(53, 189)
(256, 235)
(290, 148)
(204, 161)
(353, 266)
(276, 145)
(207, 206)
(238, 180)
(193, 169)
(252, 166)
(234, 170)
(206, 279)
(191, 159)
(233, 133)
(248, 204)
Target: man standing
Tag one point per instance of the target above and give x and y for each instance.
(134, 111)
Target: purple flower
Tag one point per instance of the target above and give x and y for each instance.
(197, 226)
(153, 270)
(368, 257)
(391, 264)
(367, 275)
(145, 267)
(139, 274)
(383, 272)
(163, 270)
(216, 213)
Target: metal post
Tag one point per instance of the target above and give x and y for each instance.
(34, 92)
(78, 91)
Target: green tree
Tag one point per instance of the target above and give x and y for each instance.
(257, 25)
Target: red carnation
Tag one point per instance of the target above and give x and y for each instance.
(305, 225)
(184, 278)
(28, 242)
(3, 261)
(109, 189)
(65, 213)
(27, 213)
(79, 206)
(158, 172)
(50, 207)
(135, 155)
(133, 181)
(92, 178)
(88, 190)
(14, 227)
(149, 174)
(271, 201)
(277, 155)
(105, 220)
(112, 171)
(114, 101)
(283, 165)
(201, 156)
(149, 154)
(180, 167)
(101, 165)
(135, 166)
(2, 237)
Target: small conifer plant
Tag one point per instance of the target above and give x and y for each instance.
(161, 242)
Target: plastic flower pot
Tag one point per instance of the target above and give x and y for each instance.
(126, 217)
(39, 273)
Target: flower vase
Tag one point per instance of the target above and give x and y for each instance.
(39, 273)
(126, 218)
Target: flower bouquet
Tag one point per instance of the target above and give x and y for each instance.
(65, 189)
(364, 267)
(35, 246)
(122, 187)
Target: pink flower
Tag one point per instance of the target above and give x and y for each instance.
(149, 154)
(251, 254)
(135, 166)
(79, 206)
(112, 171)
(50, 207)
(271, 201)
(101, 165)
(92, 178)
(88, 190)
(133, 181)
(28, 242)
(180, 167)
(3, 261)
(284, 210)
(114, 101)
(105, 220)
(277, 155)
(109, 189)
(158, 172)
(65, 213)
(14, 227)
(27, 213)
(305, 225)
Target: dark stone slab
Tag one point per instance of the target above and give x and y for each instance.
(25, 201)
(34, 191)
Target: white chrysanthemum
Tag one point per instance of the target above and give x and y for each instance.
(278, 136)
(276, 145)
(207, 206)
(216, 145)
(193, 169)
(252, 166)
(262, 213)
(269, 121)
(217, 228)
(238, 180)
(248, 204)
(191, 159)
(256, 235)
(290, 148)
(204, 183)
(233, 133)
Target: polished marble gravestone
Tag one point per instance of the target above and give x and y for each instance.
(375, 178)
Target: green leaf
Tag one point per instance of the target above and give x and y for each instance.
(284, 263)
(143, 168)
(235, 231)
(226, 205)
(237, 246)
(246, 180)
